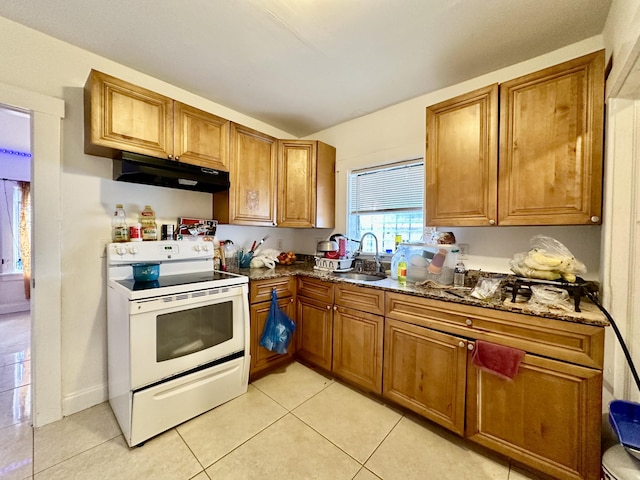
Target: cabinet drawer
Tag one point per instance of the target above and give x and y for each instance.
(316, 289)
(260, 290)
(568, 341)
(361, 298)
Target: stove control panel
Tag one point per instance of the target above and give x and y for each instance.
(157, 251)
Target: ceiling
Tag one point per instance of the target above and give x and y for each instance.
(306, 65)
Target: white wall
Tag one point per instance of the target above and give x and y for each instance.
(38, 63)
(398, 133)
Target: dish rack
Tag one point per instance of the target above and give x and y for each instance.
(333, 264)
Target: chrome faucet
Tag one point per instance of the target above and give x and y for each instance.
(377, 254)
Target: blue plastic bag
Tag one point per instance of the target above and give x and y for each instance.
(278, 329)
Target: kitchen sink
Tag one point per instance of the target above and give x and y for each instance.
(364, 276)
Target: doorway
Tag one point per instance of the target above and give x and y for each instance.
(46, 121)
(15, 266)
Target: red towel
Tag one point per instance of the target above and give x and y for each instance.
(497, 359)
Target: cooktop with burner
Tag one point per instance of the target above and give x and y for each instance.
(181, 279)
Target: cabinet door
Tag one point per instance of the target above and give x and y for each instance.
(121, 116)
(425, 371)
(548, 417)
(315, 331)
(551, 141)
(306, 185)
(462, 160)
(357, 347)
(200, 138)
(261, 358)
(251, 200)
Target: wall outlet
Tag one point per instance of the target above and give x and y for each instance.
(279, 244)
(464, 249)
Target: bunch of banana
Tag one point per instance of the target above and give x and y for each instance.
(542, 265)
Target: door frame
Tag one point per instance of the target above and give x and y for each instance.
(46, 167)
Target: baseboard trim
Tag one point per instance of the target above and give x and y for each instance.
(84, 399)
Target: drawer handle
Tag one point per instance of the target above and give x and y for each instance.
(461, 344)
(469, 322)
(470, 346)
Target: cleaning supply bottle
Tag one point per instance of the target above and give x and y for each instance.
(402, 270)
(149, 225)
(119, 230)
(394, 261)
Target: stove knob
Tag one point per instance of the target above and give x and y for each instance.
(133, 250)
(205, 247)
(121, 250)
(196, 248)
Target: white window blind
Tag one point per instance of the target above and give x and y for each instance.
(387, 201)
(399, 187)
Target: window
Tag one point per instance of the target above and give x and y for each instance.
(387, 201)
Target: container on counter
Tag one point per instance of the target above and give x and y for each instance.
(426, 261)
(402, 270)
(168, 232)
(149, 225)
(119, 230)
(458, 274)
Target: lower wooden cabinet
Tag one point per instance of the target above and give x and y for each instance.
(315, 331)
(425, 371)
(548, 417)
(263, 360)
(357, 347)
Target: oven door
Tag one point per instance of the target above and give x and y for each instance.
(173, 334)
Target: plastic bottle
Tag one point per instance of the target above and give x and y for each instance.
(402, 270)
(119, 230)
(459, 274)
(149, 225)
(394, 261)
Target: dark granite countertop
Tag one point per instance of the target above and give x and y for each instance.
(589, 315)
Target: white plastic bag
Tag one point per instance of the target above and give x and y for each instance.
(548, 259)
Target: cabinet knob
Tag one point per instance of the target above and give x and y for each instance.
(170, 157)
(291, 300)
(470, 346)
(177, 157)
(492, 222)
(595, 219)
(469, 322)
(335, 307)
(461, 344)
(328, 307)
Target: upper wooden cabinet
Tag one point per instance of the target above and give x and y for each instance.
(462, 159)
(551, 135)
(251, 200)
(549, 169)
(306, 184)
(120, 116)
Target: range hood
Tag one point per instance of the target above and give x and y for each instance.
(135, 168)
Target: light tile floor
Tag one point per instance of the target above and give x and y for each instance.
(292, 424)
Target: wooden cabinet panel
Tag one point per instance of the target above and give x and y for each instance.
(360, 297)
(251, 200)
(121, 116)
(548, 417)
(316, 289)
(261, 358)
(306, 185)
(260, 290)
(462, 159)
(358, 347)
(571, 342)
(200, 138)
(551, 145)
(315, 331)
(425, 371)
